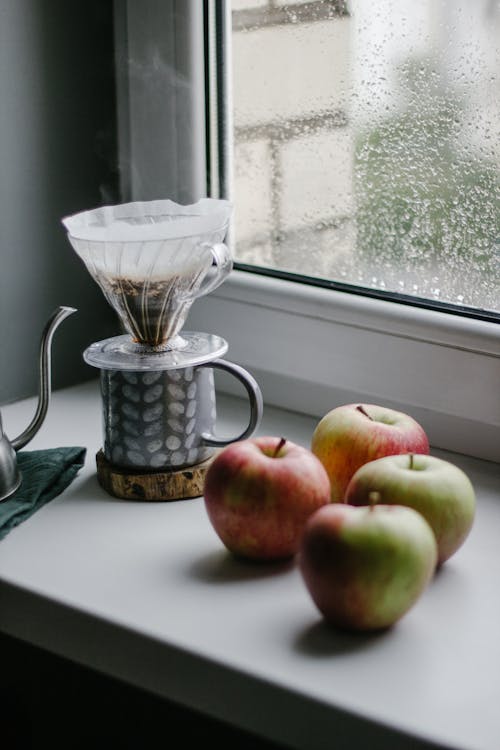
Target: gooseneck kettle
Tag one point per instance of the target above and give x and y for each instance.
(10, 476)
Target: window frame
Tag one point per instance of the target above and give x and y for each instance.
(258, 310)
(313, 348)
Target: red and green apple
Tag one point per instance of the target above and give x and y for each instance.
(366, 567)
(259, 493)
(351, 435)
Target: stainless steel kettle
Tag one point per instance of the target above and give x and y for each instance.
(10, 477)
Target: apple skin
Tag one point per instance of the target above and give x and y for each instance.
(437, 489)
(366, 567)
(351, 435)
(258, 501)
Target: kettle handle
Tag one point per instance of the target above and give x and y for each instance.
(44, 377)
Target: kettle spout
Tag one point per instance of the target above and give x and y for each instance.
(44, 377)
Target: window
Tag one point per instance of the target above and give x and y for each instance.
(309, 347)
(366, 144)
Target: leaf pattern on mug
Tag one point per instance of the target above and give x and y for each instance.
(156, 419)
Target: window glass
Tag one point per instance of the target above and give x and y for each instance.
(366, 143)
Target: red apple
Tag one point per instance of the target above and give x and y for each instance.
(351, 435)
(259, 494)
(438, 489)
(366, 567)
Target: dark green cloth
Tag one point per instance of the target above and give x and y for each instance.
(45, 474)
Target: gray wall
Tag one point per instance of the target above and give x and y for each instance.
(57, 156)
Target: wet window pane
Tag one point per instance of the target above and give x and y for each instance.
(367, 143)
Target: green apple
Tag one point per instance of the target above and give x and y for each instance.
(351, 435)
(438, 489)
(366, 567)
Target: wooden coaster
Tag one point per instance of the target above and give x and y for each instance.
(157, 485)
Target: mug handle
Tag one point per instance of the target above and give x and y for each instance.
(254, 396)
(223, 262)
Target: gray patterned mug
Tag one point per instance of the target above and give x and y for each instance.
(165, 419)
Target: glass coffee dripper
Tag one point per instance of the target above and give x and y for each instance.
(152, 260)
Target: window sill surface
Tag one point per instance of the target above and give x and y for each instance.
(145, 592)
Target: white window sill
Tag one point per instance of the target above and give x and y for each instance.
(312, 349)
(145, 592)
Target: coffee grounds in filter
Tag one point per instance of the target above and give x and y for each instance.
(152, 311)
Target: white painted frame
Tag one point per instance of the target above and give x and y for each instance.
(312, 348)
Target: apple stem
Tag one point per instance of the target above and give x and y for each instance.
(374, 497)
(411, 460)
(363, 411)
(279, 447)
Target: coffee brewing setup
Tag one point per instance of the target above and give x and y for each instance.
(152, 260)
